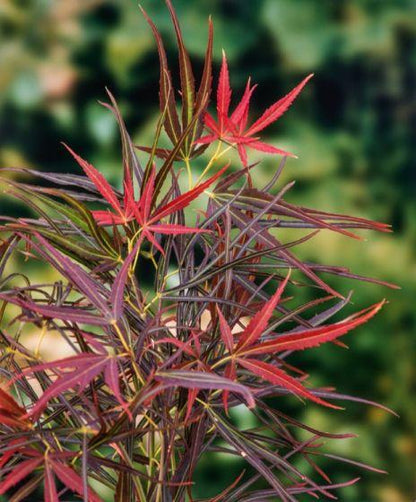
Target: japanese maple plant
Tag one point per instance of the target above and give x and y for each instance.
(180, 299)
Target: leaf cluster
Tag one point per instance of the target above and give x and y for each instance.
(154, 371)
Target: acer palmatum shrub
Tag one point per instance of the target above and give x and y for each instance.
(156, 367)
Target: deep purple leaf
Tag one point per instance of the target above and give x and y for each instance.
(204, 380)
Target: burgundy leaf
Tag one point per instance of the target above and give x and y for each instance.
(50, 492)
(145, 203)
(225, 330)
(69, 314)
(72, 480)
(231, 373)
(277, 376)
(24, 469)
(172, 229)
(117, 291)
(78, 276)
(85, 367)
(313, 337)
(259, 322)
(9, 405)
(186, 75)
(183, 346)
(130, 161)
(167, 101)
(112, 379)
(203, 380)
(107, 218)
(192, 395)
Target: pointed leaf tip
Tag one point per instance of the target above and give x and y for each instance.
(277, 376)
(101, 184)
(223, 94)
(259, 322)
(277, 109)
(314, 337)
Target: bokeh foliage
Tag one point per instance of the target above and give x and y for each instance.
(353, 130)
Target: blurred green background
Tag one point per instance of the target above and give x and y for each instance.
(352, 128)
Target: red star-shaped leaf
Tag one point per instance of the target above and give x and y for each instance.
(247, 346)
(233, 128)
(141, 210)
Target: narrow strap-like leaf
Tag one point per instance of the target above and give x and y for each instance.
(172, 229)
(117, 291)
(167, 165)
(167, 100)
(291, 260)
(112, 379)
(204, 90)
(185, 69)
(147, 197)
(130, 160)
(9, 405)
(204, 380)
(238, 442)
(78, 276)
(225, 330)
(70, 314)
